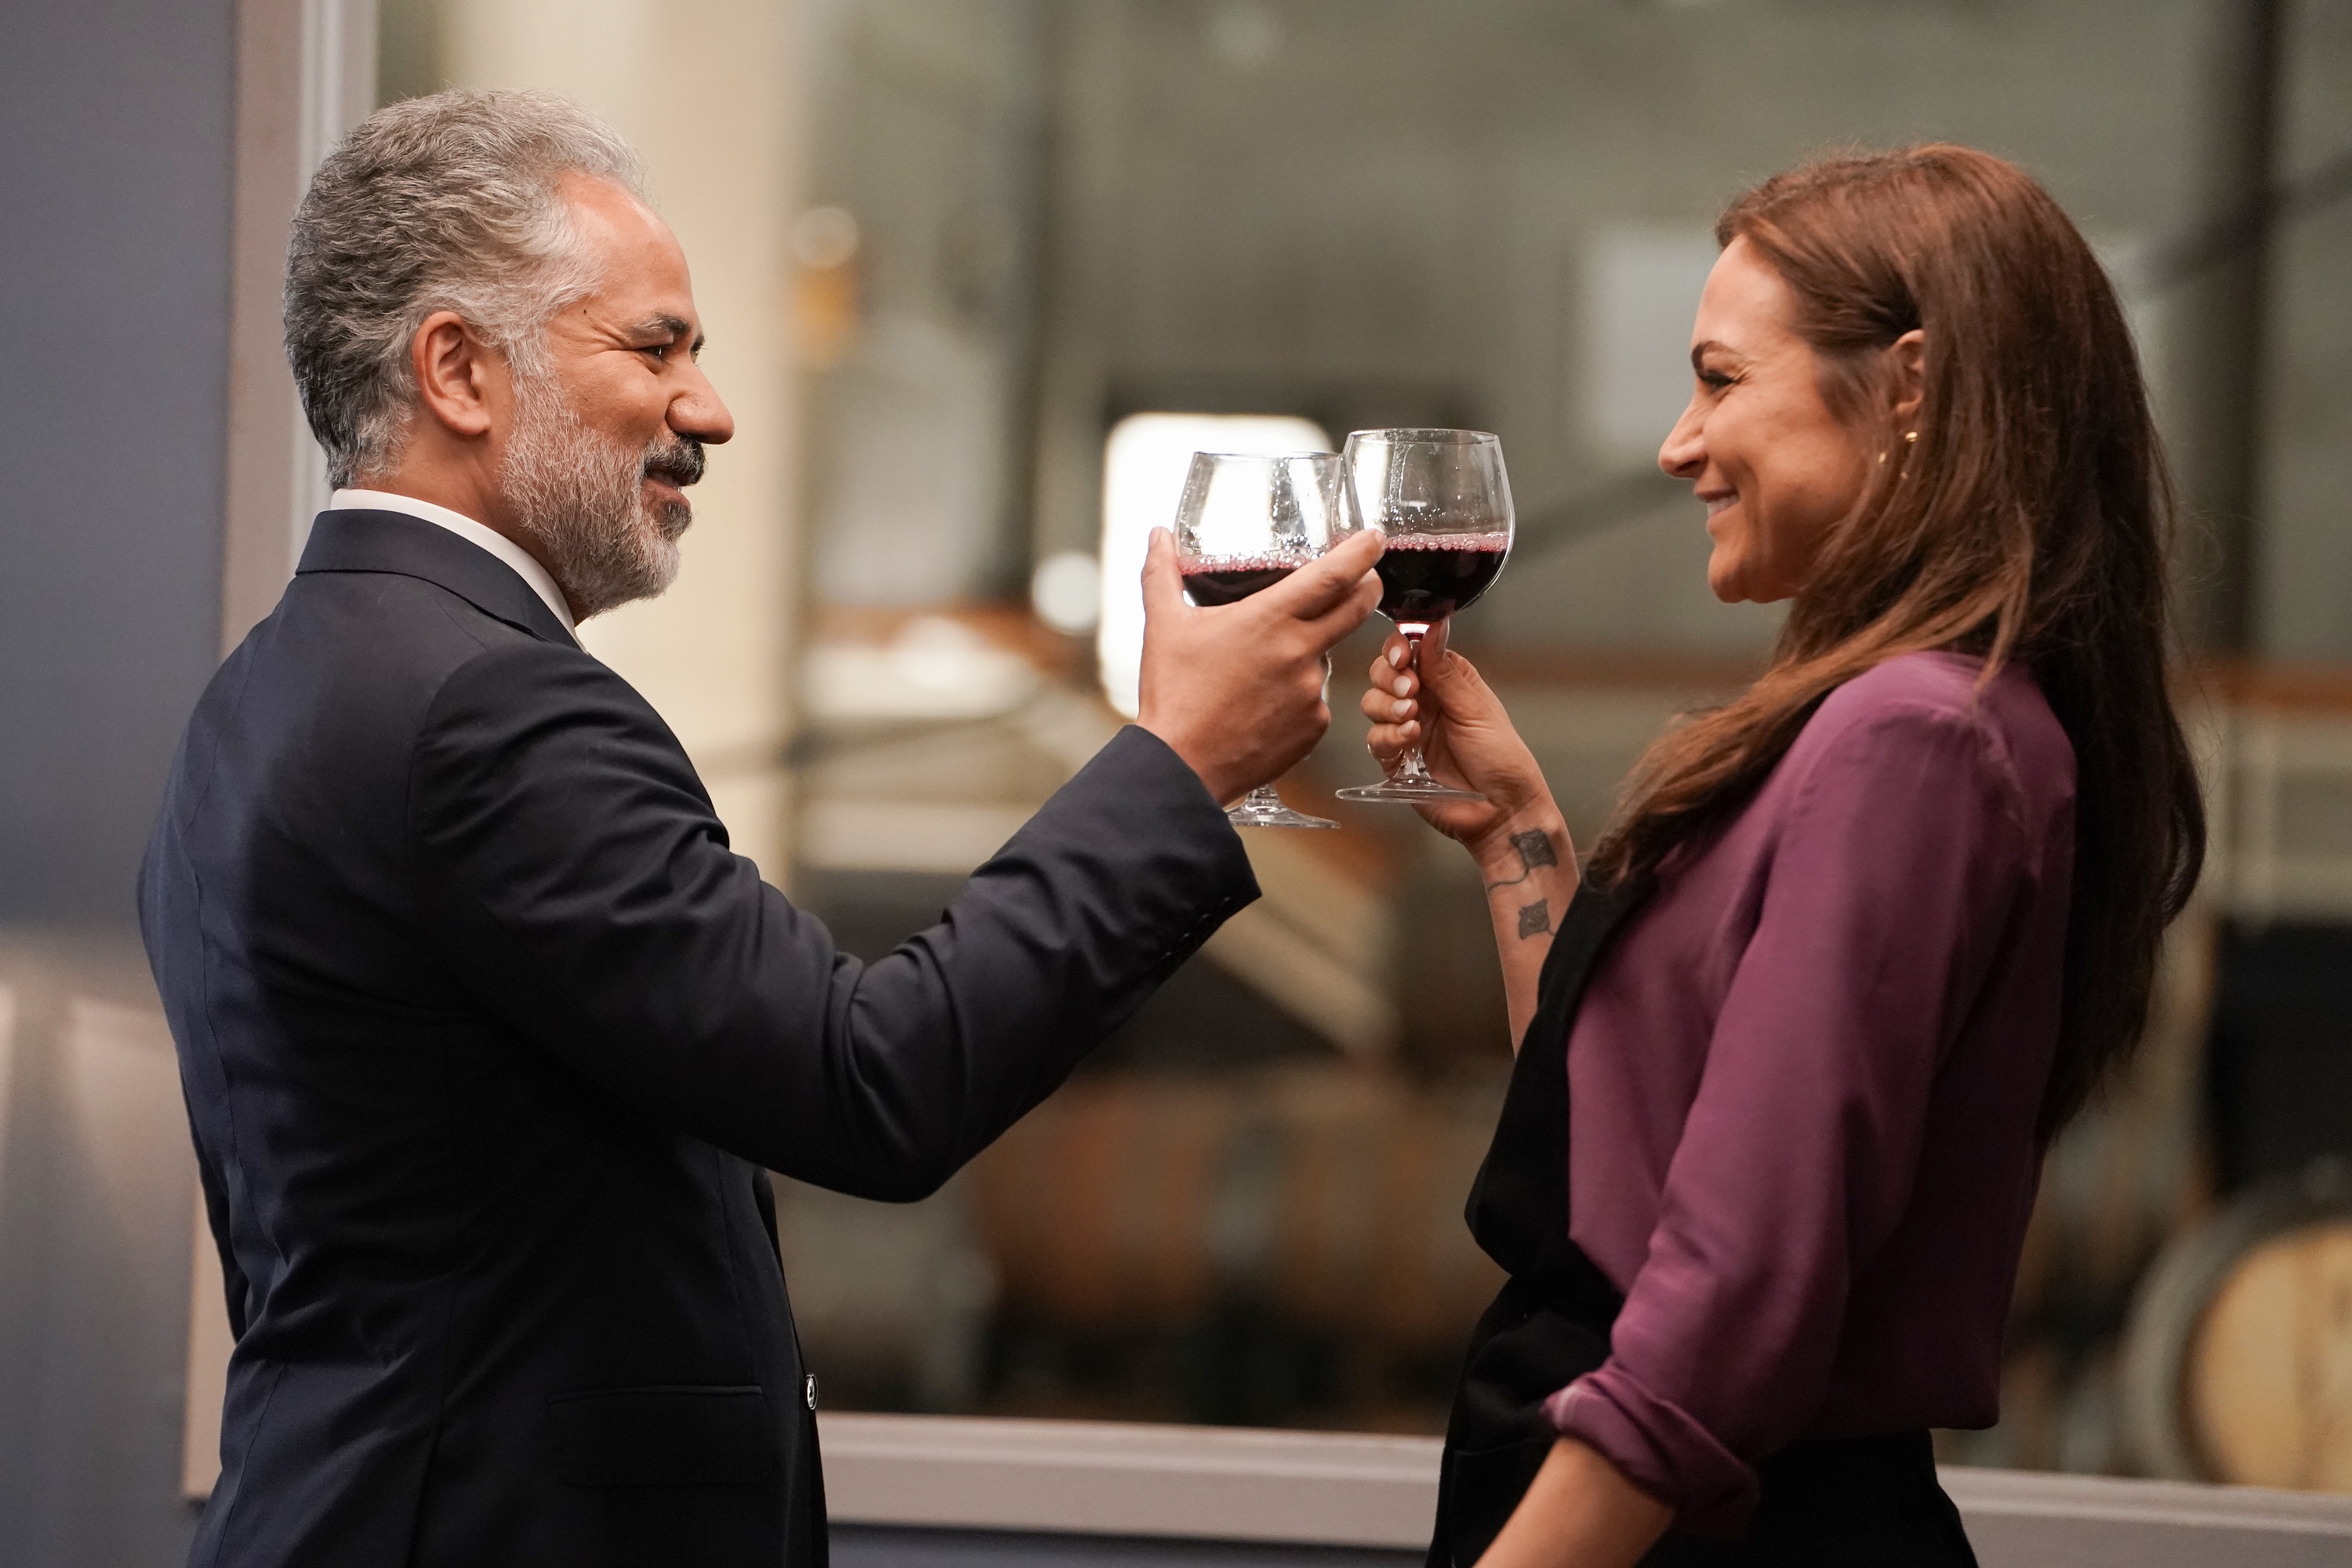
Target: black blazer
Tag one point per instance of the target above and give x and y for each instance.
(485, 1034)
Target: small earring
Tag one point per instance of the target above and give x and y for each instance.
(1911, 437)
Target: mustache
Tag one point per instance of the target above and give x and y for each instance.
(679, 461)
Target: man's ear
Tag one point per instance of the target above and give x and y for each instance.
(454, 370)
(1907, 357)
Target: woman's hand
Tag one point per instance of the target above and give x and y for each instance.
(1467, 741)
(1515, 833)
(1579, 1512)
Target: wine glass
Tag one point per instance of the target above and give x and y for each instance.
(1247, 521)
(1444, 502)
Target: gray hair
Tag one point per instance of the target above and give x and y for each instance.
(447, 203)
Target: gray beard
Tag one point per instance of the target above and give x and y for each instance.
(578, 498)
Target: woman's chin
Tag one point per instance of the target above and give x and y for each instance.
(1725, 578)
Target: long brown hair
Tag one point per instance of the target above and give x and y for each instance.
(2026, 522)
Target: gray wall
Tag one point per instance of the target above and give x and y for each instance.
(115, 118)
(2303, 585)
(1408, 199)
(933, 119)
(1397, 210)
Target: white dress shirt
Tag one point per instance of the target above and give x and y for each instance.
(465, 528)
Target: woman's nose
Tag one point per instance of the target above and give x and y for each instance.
(1682, 454)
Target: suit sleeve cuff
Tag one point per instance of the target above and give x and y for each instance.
(1660, 1448)
(1136, 753)
(1140, 817)
(1138, 771)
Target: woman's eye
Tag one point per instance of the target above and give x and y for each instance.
(1714, 380)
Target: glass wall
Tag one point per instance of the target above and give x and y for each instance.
(1000, 230)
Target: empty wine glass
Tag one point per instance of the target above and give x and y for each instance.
(1247, 521)
(1444, 502)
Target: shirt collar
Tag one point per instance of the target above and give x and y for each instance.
(515, 556)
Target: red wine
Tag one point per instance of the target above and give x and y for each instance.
(1427, 576)
(1223, 581)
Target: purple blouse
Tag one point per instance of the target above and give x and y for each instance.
(1803, 1087)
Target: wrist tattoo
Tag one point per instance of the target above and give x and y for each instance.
(1535, 849)
(1535, 920)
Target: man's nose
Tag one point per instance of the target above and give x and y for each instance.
(698, 411)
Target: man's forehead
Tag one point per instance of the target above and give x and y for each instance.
(644, 282)
(595, 197)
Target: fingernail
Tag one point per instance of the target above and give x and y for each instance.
(1400, 707)
(1396, 658)
(1403, 688)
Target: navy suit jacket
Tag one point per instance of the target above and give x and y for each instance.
(486, 1035)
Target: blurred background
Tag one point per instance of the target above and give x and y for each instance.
(979, 275)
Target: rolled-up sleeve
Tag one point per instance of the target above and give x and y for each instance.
(1899, 862)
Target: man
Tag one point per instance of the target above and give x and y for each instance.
(485, 1033)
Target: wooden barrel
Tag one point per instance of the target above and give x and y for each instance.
(2237, 1362)
(1328, 1196)
(2131, 1171)
(1369, 1242)
(1096, 1207)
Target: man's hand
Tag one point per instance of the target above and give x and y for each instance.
(1237, 690)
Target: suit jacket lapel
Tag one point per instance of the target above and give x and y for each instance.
(361, 540)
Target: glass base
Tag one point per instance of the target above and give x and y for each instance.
(1247, 814)
(1407, 790)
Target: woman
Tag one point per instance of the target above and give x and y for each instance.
(1857, 943)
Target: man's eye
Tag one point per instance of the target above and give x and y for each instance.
(659, 350)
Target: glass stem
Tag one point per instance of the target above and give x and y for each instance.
(1410, 765)
(1262, 798)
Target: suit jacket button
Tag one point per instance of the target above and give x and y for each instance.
(809, 1388)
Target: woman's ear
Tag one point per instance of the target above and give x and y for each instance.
(1907, 357)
